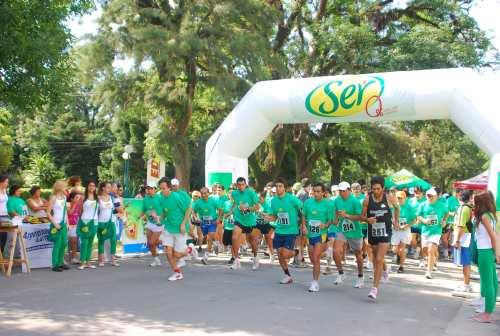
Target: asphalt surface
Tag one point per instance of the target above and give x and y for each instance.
(136, 299)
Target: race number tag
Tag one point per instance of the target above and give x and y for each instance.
(378, 230)
(402, 221)
(347, 225)
(433, 219)
(207, 218)
(230, 220)
(283, 218)
(260, 220)
(314, 226)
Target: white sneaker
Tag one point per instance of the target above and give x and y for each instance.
(271, 259)
(360, 282)
(314, 286)
(255, 265)
(156, 262)
(385, 276)
(204, 260)
(236, 264)
(369, 266)
(181, 263)
(422, 264)
(464, 289)
(339, 279)
(286, 280)
(176, 276)
(428, 275)
(194, 251)
(435, 268)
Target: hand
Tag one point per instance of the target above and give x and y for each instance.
(397, 226)
(304, 230)
(372, 220)
(342, 213)
(57, 226)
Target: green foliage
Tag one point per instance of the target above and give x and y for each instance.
(34, 64)
(6, 150)
(42, 171)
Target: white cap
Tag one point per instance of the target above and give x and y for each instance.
(151, 185)
(175, 182)
(273, 189)
(344, 186)
(431, 192)
(335, 187)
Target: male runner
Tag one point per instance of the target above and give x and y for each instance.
(402, 235)
(207, 209)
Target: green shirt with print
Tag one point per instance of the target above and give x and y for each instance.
(206, 209)
(452, 204)
(317, 213)
(407, 214)
(435, 213)
(174, 207)
(228, 221)
(351, 229)
(333, 228)
(150, 204)
(361, 198)
(286, 208)
(415, 203)
(17, 205)
(247, 198)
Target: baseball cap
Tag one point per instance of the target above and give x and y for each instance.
(431, 192)
(151, 185)
(175, 182)
(344, 186)
(297, 186)
(335, 187)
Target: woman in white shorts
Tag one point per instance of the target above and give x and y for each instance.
(151, 214)
(402, 236)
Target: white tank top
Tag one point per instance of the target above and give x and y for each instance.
(89, 211)
(105, 210)
(483, 240)
(58, 210)
(39, 213)
(3, 204)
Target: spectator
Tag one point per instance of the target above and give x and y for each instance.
(37, 206)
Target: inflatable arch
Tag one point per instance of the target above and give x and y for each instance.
(466, 96)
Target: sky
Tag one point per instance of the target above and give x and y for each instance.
(486, 13)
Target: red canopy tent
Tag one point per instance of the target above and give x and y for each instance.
(479, 182)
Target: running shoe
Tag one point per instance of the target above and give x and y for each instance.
(192, 251)
(314, 286)
(255, 265)
(204, 260)
(271, 259)
(236, 264)
(385, 276)
(360, 282)
(230, 262)
(373, 293)
(156, 262)
(286, 280)
(428, 275)
(327, 271)
(422, 264)
(176, 276)
(401, 269)
(339, 279)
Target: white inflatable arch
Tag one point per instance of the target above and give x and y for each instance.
(468, 97)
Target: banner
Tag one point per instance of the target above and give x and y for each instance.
(134, 236)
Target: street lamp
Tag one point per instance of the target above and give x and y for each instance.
(128, 149)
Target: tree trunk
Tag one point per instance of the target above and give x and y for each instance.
(182, 163)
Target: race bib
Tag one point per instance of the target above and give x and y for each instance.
(260, 221)
(207, 218)
(379, 230)
(433, 219)
(283, 218)
(230, 220)
(347, 225)
(402, 221)
(314, 226)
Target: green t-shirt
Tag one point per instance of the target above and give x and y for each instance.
(150, 204)
(350, 229)
(407, 214)
(286, 208)
(247, 198)
(229, 221)
(17, 205)
(174, 207)
(452, 204)
(361, 199)
(333, 228)
(415, 204)
(220, 199)
(316, 214)
(435, 212)
(266, 208)
(206, 209)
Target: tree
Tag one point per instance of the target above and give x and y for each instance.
(6, 151)
(34, 57)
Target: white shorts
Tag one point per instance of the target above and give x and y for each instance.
(72, 231)
(398, 237)
(175, 240)
(428, 240)
(153, 227)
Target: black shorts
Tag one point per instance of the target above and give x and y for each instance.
(264, 228)
(227, 237)
(244, 229)
(379, 240)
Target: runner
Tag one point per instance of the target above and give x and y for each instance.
(331, 232)
(300, 243)
(228, 221)
(416, 228)
(367, 250)
(265, 227)
(207, 209)
(221, 197)
(246, 203)
(196, 222)
(176, 211)
(402, 235)
(151, 212)
(377, 213)
(285, 209)
(452, 205)
(317, 215)
(348, 214)
(432, 214)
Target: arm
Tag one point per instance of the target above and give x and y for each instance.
(187, 215)
(303, 225)
(34, 207)
(489, 228)
(395, 204)
(49, 212)
(364, 213)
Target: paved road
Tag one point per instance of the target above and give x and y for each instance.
(213, 300)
